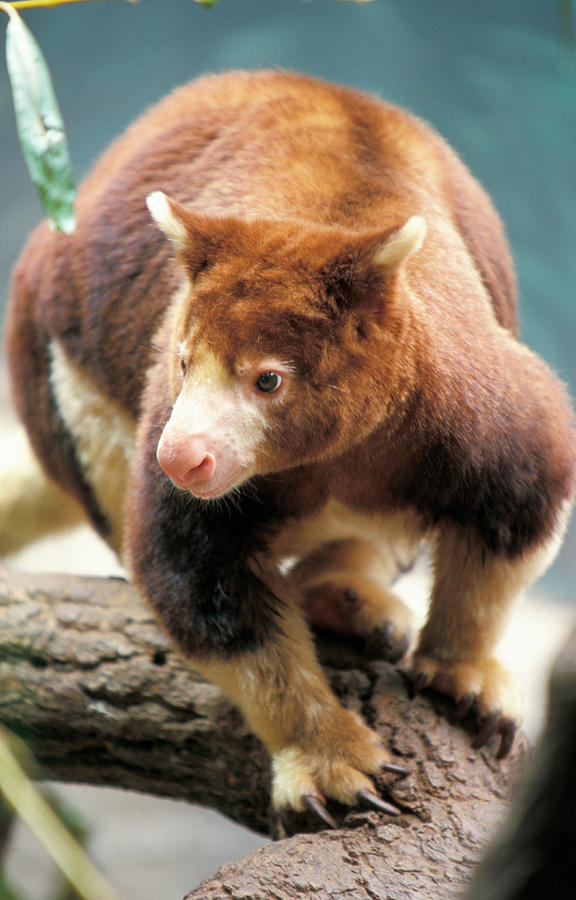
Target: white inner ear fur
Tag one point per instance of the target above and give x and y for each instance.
(162, 211)
(402, 244)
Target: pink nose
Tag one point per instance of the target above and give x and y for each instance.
(185, 458)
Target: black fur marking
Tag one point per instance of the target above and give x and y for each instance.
(501, 493)
(192, 560)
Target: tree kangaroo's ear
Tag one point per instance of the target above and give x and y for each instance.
(357, 270)
(198, 238)
(400, 244)
(170, 217)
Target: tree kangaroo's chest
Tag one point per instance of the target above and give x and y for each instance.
(396, 535)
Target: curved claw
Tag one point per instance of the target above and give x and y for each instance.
(395, 769)
(419, 682)
(351, 596)
(463, 707)
(379, 640)
(316, 805)
(384, 642)
(377, 802)
(487, 731)
(507, 735)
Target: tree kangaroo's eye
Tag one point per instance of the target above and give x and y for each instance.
(268, 382)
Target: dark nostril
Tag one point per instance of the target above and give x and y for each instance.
(203, 471)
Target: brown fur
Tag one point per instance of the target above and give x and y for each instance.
(326, 236)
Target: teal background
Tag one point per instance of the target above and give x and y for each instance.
(498, 80)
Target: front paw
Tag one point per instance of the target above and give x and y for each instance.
(337, 764)
(483, 687)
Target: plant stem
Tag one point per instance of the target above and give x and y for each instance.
(32, 808)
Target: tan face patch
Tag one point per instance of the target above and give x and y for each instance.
(208, 371)
(215, 417)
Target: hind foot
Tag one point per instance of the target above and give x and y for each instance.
(340, 768)
(343, 591)
(482, 687)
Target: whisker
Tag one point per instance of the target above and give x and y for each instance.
(156, 348)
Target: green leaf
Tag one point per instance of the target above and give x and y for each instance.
(40, 125)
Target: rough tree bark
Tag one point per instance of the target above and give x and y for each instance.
(92, 684)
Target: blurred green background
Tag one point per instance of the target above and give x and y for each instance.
(498, 80)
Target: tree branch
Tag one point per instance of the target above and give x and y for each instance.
(93, 686)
